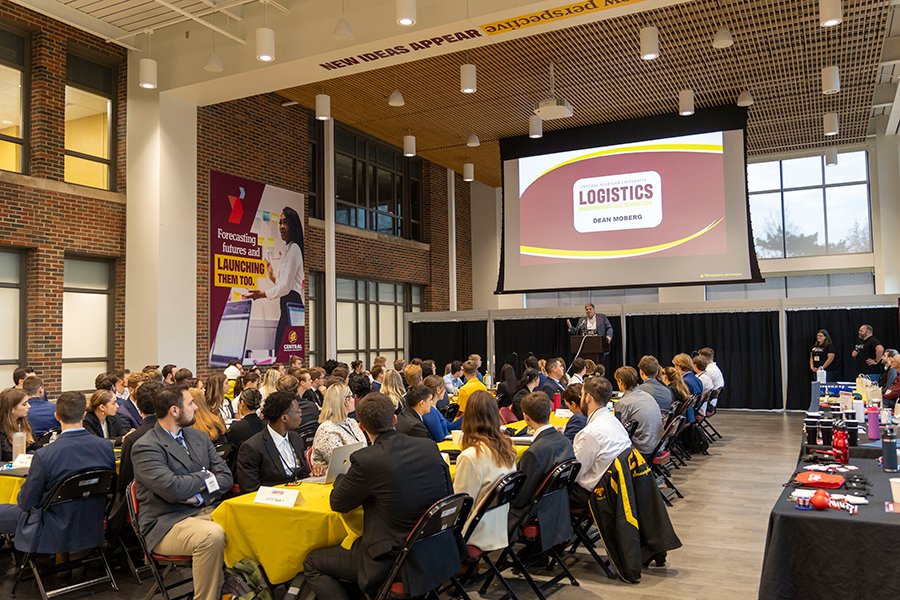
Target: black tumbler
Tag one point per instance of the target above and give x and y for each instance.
(812, 431)
(852, 431)
(826, 426)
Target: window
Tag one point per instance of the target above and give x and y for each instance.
(800, 207)
(797, 286)
(376, 187)
(370, 318)
(580, 298)
(313, 285)
(314, 166)
(87, 322)
(89, 123)
(12, 101)
(12, 300)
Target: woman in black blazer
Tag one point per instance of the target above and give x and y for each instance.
(101, 419)
(249, 423)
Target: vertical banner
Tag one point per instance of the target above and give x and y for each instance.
(256, 293)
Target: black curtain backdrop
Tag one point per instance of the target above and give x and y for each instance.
(545, 338)
(446, 341)
(843, 325)
(746, 344)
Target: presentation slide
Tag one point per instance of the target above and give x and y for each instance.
(652, 212)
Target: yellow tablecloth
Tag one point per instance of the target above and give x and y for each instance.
(280, 538)
(554, 420)
(9, 489)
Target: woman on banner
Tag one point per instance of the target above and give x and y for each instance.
(288, 284)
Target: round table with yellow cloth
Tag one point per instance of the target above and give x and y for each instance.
(9, 488)
(279, 538)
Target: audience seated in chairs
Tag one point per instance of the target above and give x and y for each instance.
(650, 369)
(205, 419)
(102, 420)
(178, 477)
(128, 411)
(395, 480)
(393, 388)
(548, 449)
(712, 369)
(418, 402)
(276, 454)
(336, 427)
(572, 400)
(249, 424)
(638, 407)
(473, 383)
(144, 397)
(685, 367)
(41, 411)
(528, 383)
(601, 440)
(438, 425)
(487, 454)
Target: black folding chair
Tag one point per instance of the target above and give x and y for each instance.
(75, 488)
(447, 514)
(501, 493)
(156, 561)
(661, 457)
(557, 481)
(581, 526)
(308, 433)
(711, 404)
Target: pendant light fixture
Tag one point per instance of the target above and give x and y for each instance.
(323, 107)
(473, 141)
(468, 78)
(265, 38)
(830, 124)
(745, 99)
(535, 127)
(723, 39)
(686, 103)
(213, 62)
(468, 172)
(406, 12)
(830, 13)
(649, 43)
(831, 157)
(343, 32)
(396, 98)
(409, 145)
(831, 80)
(147, 68)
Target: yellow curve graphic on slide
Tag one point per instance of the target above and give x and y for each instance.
(603, 254)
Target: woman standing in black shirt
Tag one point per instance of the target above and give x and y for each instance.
(822, 354)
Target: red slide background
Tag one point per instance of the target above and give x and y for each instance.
(693, 196)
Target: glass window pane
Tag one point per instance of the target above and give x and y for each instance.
(800, 172)
(387, 327)
(765, 217)
(346, 325)
(373, 324)
(343, 179)
(81, 376)
(386, 292)
(85, 325)
(804, 223)
(10, 156)
(10, 101)
(847, 208)
(807, 286)
(12, 49)
(9, 326)
(311, 326)
(6, 375)
(86, 274)
(346, 289)
(385, 188)
(86, 172)
(312, 286)
(344, 140)
(400, 336)
(89, 74)
(762, 177)
(372, 291)
(361, 326)
(87, 122)
(851, 167)
(416, 295)
(9, 267)
(851, 284)
(346, 357)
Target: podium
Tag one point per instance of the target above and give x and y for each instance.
(594, 347)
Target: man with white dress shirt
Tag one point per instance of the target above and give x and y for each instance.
(601, 440)
(700, 366)
(712, 369)
(592, 323)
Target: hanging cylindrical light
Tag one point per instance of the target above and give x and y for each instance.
(468, 172)
(686, 103)
(723, 39)
(831, 157)
(831, 80)
(323, 107)
(649, 43)
(830, 123)
(213, 63)
(473, 141)
(535, 126)
(147, 73)
(265, 44)
(830, 13)
(406, 12)
(468, 79)
(409, 145)
(745, 99)
(396, 98)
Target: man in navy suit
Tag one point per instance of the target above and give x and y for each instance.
(128, 412)
(40, 415)
(71, 526)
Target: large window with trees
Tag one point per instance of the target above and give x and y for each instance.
(800, 207)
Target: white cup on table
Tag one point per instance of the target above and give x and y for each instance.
(456, 436)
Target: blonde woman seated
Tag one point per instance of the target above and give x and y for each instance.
(336, 429)
(487, 455)
(205, 419)
(393, 388)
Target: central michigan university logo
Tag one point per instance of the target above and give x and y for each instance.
(237, 207)
(292, 337)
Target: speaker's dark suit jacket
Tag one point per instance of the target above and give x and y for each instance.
(259, 463)
(411, 424)
(395, 480)
(69, 526)
(548, 449)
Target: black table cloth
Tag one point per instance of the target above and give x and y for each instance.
(818, 555)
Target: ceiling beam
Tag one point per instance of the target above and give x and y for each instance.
(877, 125)
(890, 55)
(884, 94)
(76, 18)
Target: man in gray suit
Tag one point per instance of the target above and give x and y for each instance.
(179, 475)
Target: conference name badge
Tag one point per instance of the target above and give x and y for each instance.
(617, 202)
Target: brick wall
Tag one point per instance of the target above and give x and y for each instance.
(259, 139)
(48, 220)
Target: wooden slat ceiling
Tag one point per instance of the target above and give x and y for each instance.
(778, 54)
